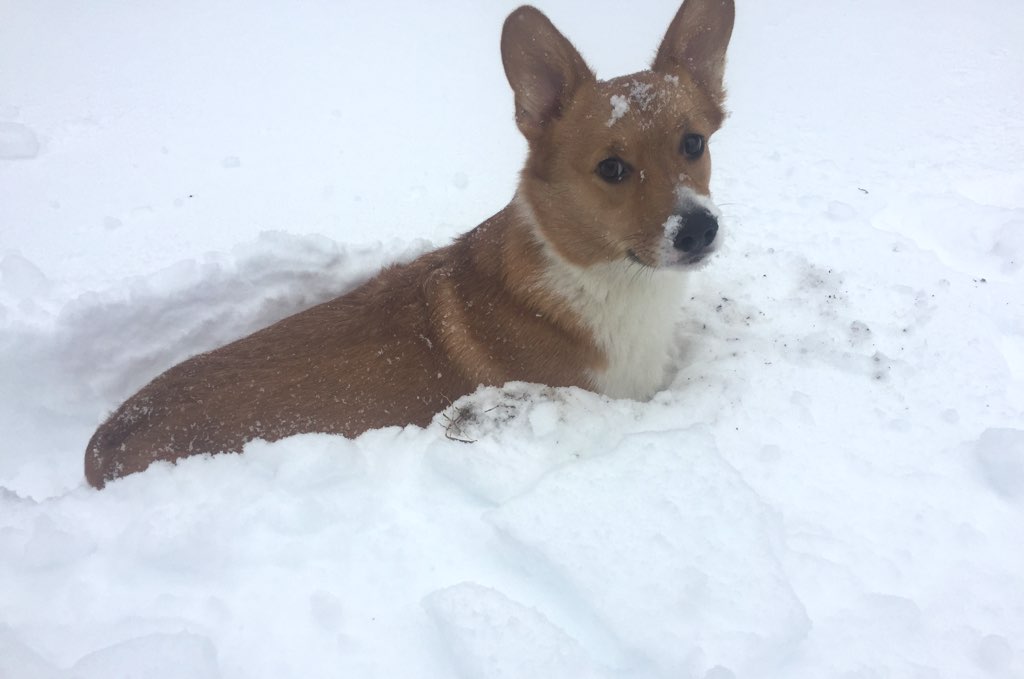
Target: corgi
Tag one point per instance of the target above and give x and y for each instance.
(578, 281)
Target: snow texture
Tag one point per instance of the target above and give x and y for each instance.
(831, 485)
(17, 141)
(490, 636)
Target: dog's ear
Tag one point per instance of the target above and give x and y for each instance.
(696, 41)
(542, 66)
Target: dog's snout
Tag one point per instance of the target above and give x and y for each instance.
(697, 232)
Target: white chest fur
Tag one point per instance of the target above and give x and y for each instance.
(632, 312)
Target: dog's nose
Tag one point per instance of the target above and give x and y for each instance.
(697, 232)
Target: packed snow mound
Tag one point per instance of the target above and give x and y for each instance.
(174, 656)
(691, 537)
(17, 141)
(1000, 455)
(489, 636)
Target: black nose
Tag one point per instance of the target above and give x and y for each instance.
(697, 232)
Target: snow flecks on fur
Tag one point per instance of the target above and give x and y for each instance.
(672, 226)
(620, 106)
(688, 198)
(643, 96)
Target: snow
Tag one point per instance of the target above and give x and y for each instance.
(707, 571)
(1000, 455)
(17, 141)
(489, 635)
(831, 486)
(641, 94)
(620, 107)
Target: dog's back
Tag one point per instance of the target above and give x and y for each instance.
(395, 351)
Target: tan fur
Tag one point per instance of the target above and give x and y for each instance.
(483, 310)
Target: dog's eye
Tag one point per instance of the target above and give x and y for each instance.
(613, 170)
(693, 145)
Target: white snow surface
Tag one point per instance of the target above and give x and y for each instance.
(831, 486)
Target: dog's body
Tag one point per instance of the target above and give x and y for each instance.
(578, 281)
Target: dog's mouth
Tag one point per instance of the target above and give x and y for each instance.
(635, 258)
(672, 260)
(694, 261)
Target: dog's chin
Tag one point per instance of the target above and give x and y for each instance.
(675, 260)
(694, 262)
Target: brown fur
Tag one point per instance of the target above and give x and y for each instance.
(410, 341)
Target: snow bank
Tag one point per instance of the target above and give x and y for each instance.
(1000, 456)
(175, 656)
(17, 141)
(489, 636)
(679, 526)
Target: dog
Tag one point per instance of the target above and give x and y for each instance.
(578, 281)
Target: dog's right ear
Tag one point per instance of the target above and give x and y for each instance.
(542, 66)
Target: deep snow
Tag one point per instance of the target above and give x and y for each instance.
(833, 486)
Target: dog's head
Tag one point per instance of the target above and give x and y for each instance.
(620, 169)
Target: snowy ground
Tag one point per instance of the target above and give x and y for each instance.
(832, 487)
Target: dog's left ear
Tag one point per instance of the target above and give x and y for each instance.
(696, 41)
